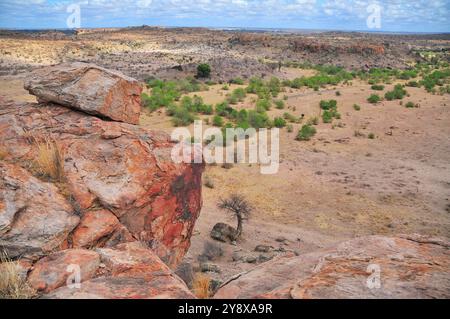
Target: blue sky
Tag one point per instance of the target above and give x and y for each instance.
(396, 15)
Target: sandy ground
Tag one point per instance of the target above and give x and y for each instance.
(337, 185)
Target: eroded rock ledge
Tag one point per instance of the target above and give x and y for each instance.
(123, 211)
(410, 266)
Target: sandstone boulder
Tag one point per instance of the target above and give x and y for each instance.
(34, 218)
(223, 232)
(118, 167)
(53, 271)
(406, 266)
(90, 89)
(96, 229)
(132, 272)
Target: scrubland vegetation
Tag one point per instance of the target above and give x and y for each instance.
(264, 93)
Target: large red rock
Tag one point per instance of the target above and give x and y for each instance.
(115, 166)
(132, 271)
(54, 270)
(98, 228)
(90, 89)
(407, 266)
(34, 218)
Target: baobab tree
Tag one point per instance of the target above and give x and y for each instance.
(239, 207)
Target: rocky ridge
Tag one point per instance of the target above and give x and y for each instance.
(118, 192)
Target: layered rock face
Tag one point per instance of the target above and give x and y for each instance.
(121, 169)
(374, 267)
(34, 218)
(88, 88)
(119, 186)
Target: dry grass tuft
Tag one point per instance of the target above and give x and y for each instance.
(201, 286)
(12, 284)
(50, 159)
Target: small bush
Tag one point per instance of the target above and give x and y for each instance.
(328, 105)
(397, 94)
(279, 104)
(290, 128)
(414, 84)
(313, 121)
(237, 81)
(356, 107)
(338, 93)
(327, 117)
(410, 105)
(203, 70)
(258, 119)
(306, 132)
(378, 87)
(374, 99)
(182, 117)
(371, 136)
(218, 121)
(212, 251)
(263, 105)
(279, 122)
(290, 118)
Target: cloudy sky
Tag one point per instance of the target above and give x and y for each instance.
(396, 15)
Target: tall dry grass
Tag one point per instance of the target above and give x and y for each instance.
(201, 286)
(12, 284)
(50, 158)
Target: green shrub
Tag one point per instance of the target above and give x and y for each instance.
(397, 93)
(289, 117)
(182, 117)
(313, 121)
(218, 121)
(371, 136)
(327, 117)
(410, 105)
(374, 99)
(274, 85)
(237, 81)
(356, 107)
(306, 133)
(263, 105)
(239, 94)
(377, 87)
(414, 84)
(224, 109)
(258, 120)
(338, 93)
(328, 105)
(203, 70)
(279, 104)
(290, 128)
(279, 122)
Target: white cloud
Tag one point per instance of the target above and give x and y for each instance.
(330, 13)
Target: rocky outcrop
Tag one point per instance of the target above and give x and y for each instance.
(131, 271)
(34, 218)
(406, 266)
(99, 228)
(90, 89)
(117, 193)
(122, 169)
(54, 270)
(223, 232)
